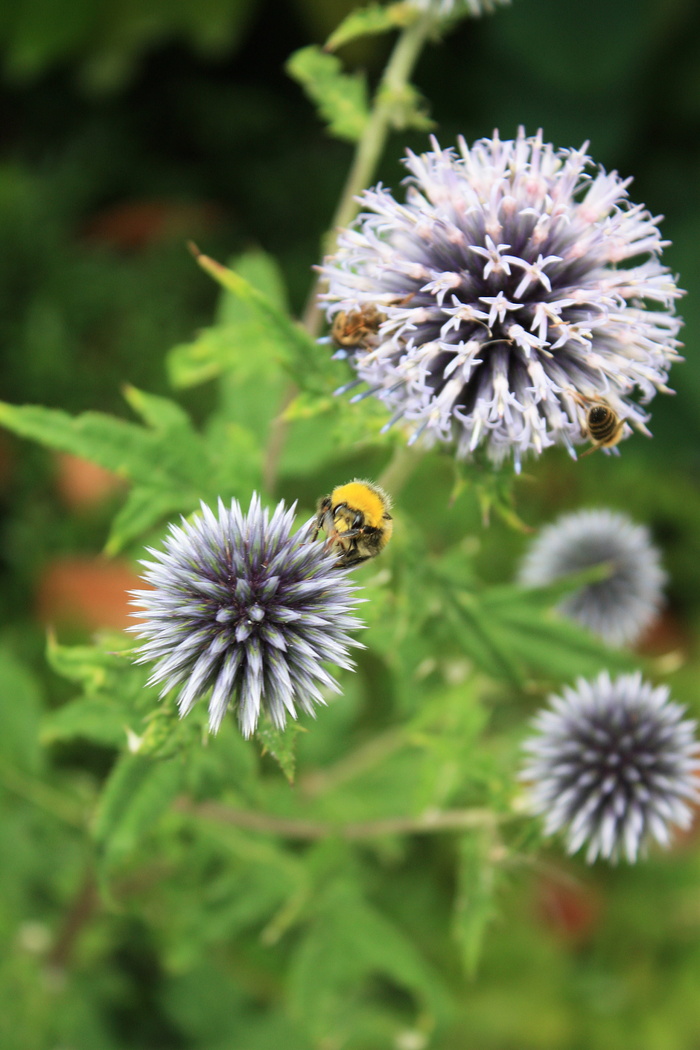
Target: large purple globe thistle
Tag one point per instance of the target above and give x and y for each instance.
(247, 609)
(614, 763)
(618, 608)
(515, 285)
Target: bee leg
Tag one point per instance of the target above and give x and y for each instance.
(350, 560)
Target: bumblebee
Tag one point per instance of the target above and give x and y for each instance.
(356, 521)
(603, 426)
(356, 328)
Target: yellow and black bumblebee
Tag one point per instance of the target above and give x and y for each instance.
(356, 520)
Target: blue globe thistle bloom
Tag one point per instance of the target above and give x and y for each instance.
(515, 285)
(618, 608)
(244, 607)
(615, 764)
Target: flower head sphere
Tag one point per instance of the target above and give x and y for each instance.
(620, 607)
(614, 763)
(515, 285)
(245, 608)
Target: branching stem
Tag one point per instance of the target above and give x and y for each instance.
(429, 823)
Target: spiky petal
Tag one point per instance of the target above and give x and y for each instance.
(518, 283)
(619, 608)
(248, 611)
(615, 764)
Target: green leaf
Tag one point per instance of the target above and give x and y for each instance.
(131, 451)
(281, 744)
(242, 338)
(348, 943)
(160, 413)
(20, 711)
(89, 718)
(341, 98)
(474, 900)
(260, 270)
(547, 595)
(302, 356)
(92, 666)
(138, 791)
(142, 509)
(371, 20)
(406, 107)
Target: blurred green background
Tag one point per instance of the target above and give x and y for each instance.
(130, 126)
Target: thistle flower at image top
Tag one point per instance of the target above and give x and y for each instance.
(620, 607)
(245, 608)
(515, 286)
(615, 764)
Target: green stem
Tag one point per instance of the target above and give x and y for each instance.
(369, 149)
(399, 469)
(430, 823)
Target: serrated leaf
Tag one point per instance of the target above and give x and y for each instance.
(371, 20)
(138, 791)
(341, 98)
(303, 358)
(241, 339)
(281, 744)
(131, 451)
(474, 900)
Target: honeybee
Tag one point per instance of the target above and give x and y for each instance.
(356, 328)
(603, 426)
(356, 520)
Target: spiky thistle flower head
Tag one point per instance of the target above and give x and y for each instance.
(620, 607)
(514, 286)
(243, 606)
(615, 764)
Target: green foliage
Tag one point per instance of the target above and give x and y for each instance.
(370, 20)
(341, 99)
(366, 879)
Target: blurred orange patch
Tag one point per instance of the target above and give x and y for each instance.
(134, 225)
(569, 908)
(82, 484)
(87, 592)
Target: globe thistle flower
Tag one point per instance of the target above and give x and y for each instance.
(618, 608)
(244, 607)
(614, 763)
(514, 286)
